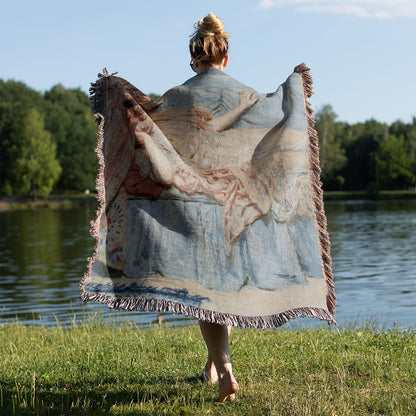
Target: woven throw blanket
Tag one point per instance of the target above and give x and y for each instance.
(210, 202)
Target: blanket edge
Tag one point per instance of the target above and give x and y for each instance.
(244, 322)
(317, 192)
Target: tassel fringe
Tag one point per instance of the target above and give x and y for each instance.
(97, 103)
(315, 170)
(245, 322)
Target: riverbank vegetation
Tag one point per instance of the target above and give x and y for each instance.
(74, 200)
(65, 201)
(47, 143)
(109, 369)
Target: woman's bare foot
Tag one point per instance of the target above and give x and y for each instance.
(228, 388)
(209, 375)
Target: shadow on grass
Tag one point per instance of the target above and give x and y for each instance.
(98, 397)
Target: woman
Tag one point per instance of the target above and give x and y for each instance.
(211, 203)
(209, 50)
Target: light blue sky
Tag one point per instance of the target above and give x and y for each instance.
(361, 52)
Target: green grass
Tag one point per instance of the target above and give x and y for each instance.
(109, 369)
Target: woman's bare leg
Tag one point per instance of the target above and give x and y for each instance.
(216, 339)
(210, 372)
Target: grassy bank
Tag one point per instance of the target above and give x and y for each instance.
(65, 201)
(109, 370)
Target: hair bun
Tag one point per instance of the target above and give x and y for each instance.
(209, 42)
(211, 25)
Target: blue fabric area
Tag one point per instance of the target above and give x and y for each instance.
(219, 93)
(182, 239)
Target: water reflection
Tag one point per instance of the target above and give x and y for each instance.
(43, 257)
(374, 259)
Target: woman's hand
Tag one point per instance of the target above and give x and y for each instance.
(247, 100)
(222, 122)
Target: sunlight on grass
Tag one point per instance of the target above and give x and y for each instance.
(117, 368)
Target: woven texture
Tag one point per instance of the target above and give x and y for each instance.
(210, 202)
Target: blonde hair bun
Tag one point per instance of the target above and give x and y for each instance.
(209, 42)
(211, 25)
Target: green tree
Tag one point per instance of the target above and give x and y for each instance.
(408, 132)
(15, 92)
(153, 96)
(7, 121)
(71, 123)
(394, 164)
(361, 142)
(35, 169)
(15, 99)
(332, 154)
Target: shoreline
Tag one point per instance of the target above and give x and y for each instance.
(68, 201)
(348, 195)
(63, 201)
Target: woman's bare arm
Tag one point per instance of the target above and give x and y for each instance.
(222, 122)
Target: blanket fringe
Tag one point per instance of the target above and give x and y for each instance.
(315, 170)
(97, 94)
(97, 103)
(245, 322)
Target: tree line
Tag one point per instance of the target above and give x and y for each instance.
(47, 143)
(368, 156)
(47, 140)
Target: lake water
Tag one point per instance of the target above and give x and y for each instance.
(43, 257)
